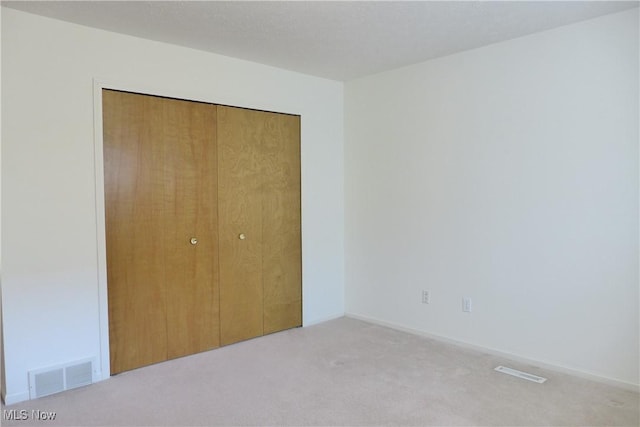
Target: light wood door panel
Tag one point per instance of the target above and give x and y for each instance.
(190, 200)
(229, 177)
(135, 223)
(160, 181)
(240, 207)
(282, 255)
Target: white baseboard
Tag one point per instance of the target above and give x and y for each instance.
(322, 319)
(10, 399)
(97, 377)
(517, 358)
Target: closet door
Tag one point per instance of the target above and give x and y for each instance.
(134, 187)
(259, 219)
(281, 231)
(240, 223)
(160, 192)
(190, 202)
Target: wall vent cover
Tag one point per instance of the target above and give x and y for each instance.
(46, 383)
(520, 374)
(43, 382)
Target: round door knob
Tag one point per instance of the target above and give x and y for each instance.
(242, 236)
(194, 241)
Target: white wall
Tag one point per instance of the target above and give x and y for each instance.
(49, 271)
(2, 376)
(508, 174)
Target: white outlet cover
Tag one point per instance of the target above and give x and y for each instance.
(426, 297)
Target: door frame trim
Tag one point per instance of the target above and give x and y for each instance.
(101, 239)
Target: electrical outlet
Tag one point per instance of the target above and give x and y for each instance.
(466, 304)
(426, 297)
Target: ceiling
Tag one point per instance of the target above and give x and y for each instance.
(339, 40)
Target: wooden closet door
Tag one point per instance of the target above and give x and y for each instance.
(259, 197)
(160, 185)
(190, 201)
(240, 223)
(281, 230)
(134, 189)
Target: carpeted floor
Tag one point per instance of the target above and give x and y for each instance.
(342, 372)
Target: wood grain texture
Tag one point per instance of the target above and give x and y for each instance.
(160, 190)
(281, 223)
(134, 192)
(240, 212)
(191, 280)
(176, 170)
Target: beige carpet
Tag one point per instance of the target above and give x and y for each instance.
(342, 372)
